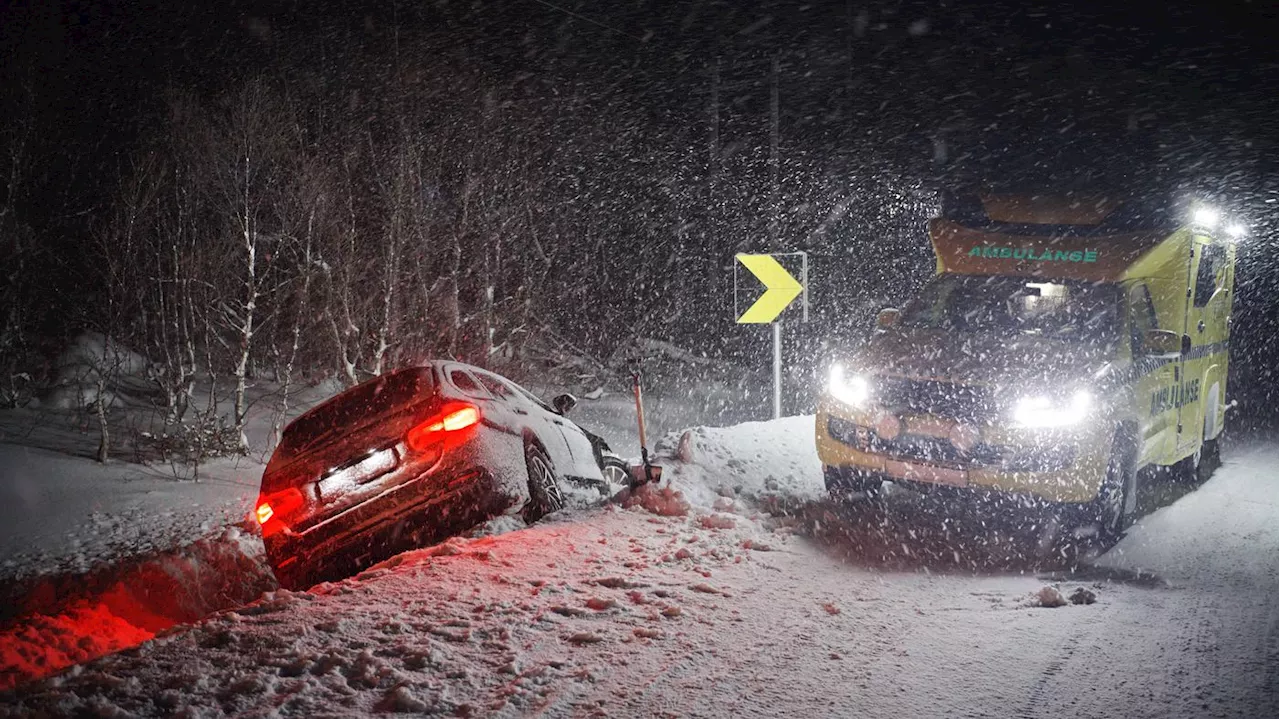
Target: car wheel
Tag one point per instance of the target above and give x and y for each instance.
(616, 473)
(545, 495)
(843, 482)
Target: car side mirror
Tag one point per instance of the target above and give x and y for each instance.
(1161, 344)
(887, 318)
(563, 403)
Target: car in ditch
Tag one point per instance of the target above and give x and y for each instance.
(412, 457)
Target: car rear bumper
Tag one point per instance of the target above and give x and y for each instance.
(418, 513)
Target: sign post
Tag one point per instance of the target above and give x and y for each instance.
(781, 289)
(777, 370)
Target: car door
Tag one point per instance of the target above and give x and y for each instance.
(530, 415)
(584, 452)
(579, 444)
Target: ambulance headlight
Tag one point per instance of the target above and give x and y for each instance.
(1041, 411)
(848, 387)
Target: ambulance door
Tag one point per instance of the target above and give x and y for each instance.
(1154, 376)
(1203, 387)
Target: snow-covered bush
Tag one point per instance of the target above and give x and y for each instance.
(204, 435)
(17, 391)
(96, 369)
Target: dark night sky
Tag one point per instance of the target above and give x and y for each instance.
(1150, 93)
(95, 70)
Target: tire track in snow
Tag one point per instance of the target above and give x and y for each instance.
(1044, 699)
(1272, 650)
(1200, 647)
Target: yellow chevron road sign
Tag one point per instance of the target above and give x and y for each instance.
(780, 289)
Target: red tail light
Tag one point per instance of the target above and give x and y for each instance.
(461, 418)
(453, 417)
(275, 509)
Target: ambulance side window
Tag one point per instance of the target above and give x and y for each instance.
(1142, 317)
(1212, 258)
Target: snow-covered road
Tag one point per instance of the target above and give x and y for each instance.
(709, 607)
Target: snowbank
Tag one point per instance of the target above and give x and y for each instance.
(774, 461)
(92, 353)
(63, 514)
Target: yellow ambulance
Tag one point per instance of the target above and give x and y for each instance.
(1064, 344)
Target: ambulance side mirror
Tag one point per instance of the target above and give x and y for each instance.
(1161, 344)
(887, 318)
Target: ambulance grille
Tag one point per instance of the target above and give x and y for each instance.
(940, 399)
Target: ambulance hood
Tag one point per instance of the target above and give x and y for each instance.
(1015, 362)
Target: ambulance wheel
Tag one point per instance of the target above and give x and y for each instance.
(1113, 509)
(1187, 470)
(1198, 467)
(1211, 454)
(843, 482)
(1192, 470)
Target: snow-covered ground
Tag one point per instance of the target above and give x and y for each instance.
(694, 600)
(65, 514)
(98, 557)
(95, 558)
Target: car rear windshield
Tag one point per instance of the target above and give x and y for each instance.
(354, 407)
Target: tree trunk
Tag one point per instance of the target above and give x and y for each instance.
(388, 294)
(455, 302)
(303, 303)
(104, 434)
(247, 317)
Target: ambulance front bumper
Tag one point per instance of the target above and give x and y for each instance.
(1059, 465)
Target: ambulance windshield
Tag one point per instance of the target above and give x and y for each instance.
(1060, 309)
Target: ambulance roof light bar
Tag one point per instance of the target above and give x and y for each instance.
(1206, 217)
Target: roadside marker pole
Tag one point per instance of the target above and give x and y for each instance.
(804, 282)
(777, 369)
(644, 441)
